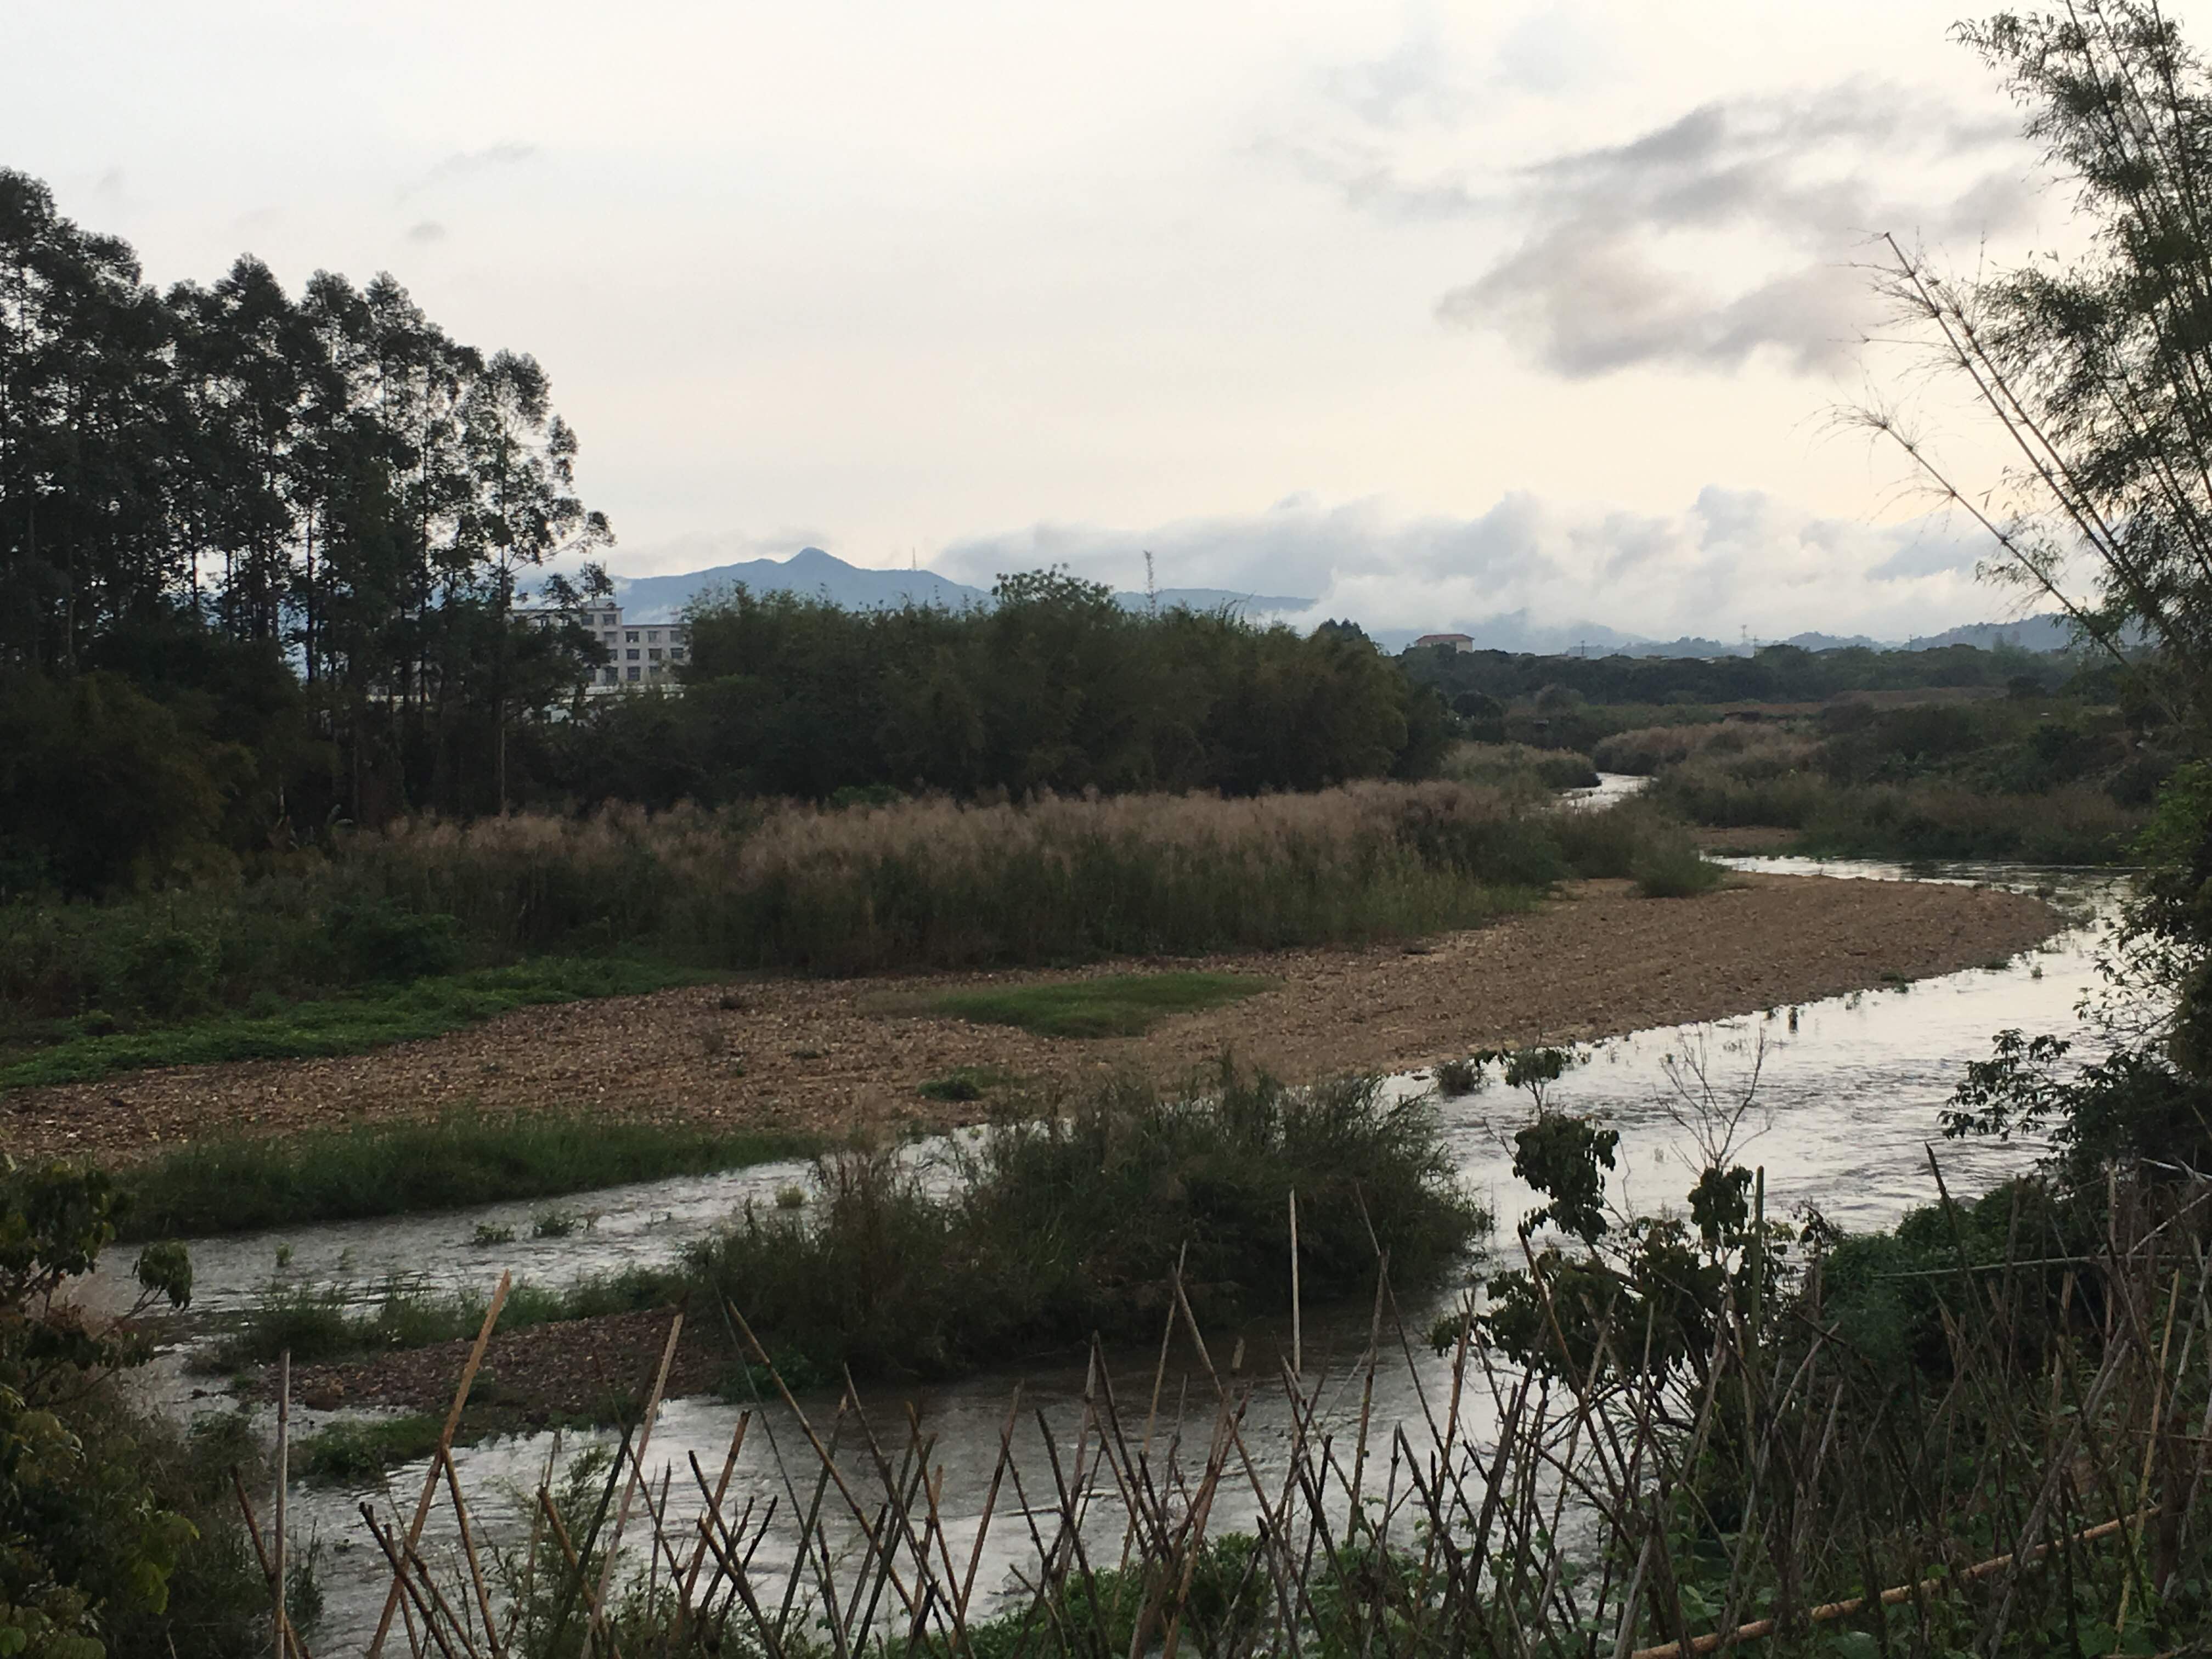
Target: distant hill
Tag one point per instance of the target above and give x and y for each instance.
(1513, 632)
(1217, 598)
(815, 573)
(810, 572)
(2048, 632)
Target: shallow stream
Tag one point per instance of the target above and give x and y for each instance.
(1842, 1116)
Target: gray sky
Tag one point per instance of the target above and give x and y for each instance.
(1432, 311)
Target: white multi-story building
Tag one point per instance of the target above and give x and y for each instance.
(641, 654)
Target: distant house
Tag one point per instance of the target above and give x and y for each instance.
(1457, 641)
(640, 654)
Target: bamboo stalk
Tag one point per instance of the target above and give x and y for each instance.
(637, 1457)
(1889, 1598)
(280, 1627)
(445, 1445)
(261, 1552)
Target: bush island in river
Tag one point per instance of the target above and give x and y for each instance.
(1066, 1226)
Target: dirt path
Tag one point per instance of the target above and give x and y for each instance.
(823, 1054)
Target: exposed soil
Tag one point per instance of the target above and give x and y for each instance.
(530, 1377)
(830, 1054)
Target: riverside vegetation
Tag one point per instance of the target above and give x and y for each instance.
(1062, 1221)
(427, 925)
(1665, 1433)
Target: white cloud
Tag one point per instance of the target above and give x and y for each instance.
(1733, 560)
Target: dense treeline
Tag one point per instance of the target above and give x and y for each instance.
(1775, 673)
(259, 555)
(1055, 687)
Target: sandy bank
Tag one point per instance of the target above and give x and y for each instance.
(820, 1054)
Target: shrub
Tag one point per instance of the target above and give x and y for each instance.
(1673, 869)
(1062, 1226)
(1456, 1078)
(384, 942)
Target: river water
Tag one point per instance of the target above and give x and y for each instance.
(1843, 1097)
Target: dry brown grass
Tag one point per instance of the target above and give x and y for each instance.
(941, 883)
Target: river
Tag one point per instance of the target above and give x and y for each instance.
(1842, 1116)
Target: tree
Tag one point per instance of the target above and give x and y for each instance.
(2096, 371)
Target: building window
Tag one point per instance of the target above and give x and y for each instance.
(655, 672)
(612, 618)
(610, 677)
(654, 654)
(676, 636)
(610, 637)
(631, 653)
(653, 637)
(677, 653)
(633, 673)
(630, 637)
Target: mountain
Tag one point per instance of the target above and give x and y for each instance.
(809, 572)
(1215, 598)
(817, 574)
(2047, 632)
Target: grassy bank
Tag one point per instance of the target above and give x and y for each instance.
(463, 1159)
(1992, 780)
(434, 926)
(85, 1049)
(1517, 766)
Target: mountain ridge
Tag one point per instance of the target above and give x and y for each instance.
(813, 572)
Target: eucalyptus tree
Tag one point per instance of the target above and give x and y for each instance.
(89, 433)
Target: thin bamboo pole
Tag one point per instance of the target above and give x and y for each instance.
(1889, 1598)
(445, 1445)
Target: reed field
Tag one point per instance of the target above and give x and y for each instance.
(431, 924)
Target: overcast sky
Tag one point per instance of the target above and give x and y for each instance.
(1431, 312)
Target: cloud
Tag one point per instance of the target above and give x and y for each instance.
(1589, 291)
(1732, 229)
(1731, 560)
(1772, 192)
(429, 230)
(463, 163)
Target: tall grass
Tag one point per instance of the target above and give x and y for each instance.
(941, 884)
(1926, 818)
(929, 883)
(1648, 750)
(1517, 766)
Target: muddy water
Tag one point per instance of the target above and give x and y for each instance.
(1844, 1095)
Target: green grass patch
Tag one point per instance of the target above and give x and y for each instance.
(353, 1024)
(314, 1323)
(394, 1169)
(967, 1083)
(1114, 1005)
(355, 1451)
